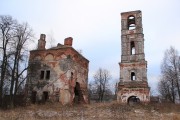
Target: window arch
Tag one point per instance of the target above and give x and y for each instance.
(49, 57)
(131, 22)
(37, 58)
(133, 76)
(132, 48)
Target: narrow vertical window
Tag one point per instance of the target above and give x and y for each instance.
(131, 22)
(47, 75)
(42, 75)
(133, 76)
(132, 48)
(71, 75)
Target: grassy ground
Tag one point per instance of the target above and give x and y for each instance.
(95, 111)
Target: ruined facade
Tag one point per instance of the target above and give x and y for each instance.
(133, 85)
(57, 74)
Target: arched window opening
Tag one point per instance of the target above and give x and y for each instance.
(42, 75)
(131, 22)
(47, 74)
(133, 76)
(132, 48)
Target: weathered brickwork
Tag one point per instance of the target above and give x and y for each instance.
(133, 66)
(57, 74)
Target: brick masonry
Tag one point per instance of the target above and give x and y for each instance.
(58, 74)
(133, 66)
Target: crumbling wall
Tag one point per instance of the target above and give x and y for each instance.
(65, 67)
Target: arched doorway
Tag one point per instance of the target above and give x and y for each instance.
(133, 100)
(78, 93)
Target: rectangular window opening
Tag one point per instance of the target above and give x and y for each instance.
(42, 75)
(132, 48)
(133, 76)
(47, 74)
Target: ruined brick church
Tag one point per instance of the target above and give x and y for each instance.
(57, 74)
(61, 73)
(133, 85)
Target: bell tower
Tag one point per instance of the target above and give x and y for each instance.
(133, 85)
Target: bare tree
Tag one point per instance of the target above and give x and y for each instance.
(101, 83)
(7, 25)
(170, 73)
(22, 37)
(14, 53)
(165, 90)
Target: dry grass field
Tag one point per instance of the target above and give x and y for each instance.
(94, 111)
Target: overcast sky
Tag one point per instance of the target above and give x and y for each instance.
(95, 26)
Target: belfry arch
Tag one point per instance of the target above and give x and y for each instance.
(131, 22)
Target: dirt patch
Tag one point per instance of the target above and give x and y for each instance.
(95, 111)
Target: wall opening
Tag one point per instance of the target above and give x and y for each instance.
(71, 75)
(131, 22)
(33, 97)
(42, 75)
(78, 93)
(68, 56)
(47, 74)
(132, 48)
(46, 96)
(132, 100)
(133, 76)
